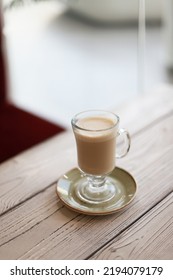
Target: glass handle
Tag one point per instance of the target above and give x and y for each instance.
(127, 142)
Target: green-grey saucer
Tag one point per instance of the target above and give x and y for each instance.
(126, 190)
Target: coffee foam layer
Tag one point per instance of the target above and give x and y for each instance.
(95, 129)
(95, 123)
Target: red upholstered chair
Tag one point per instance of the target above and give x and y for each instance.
(19, 129)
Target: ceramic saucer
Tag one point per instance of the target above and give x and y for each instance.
(125, 185)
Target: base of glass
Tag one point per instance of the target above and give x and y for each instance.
(95, 190)
(68, 186)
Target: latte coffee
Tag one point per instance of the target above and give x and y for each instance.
(96, 144)
(96, 132)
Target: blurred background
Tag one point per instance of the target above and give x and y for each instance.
(69, 56)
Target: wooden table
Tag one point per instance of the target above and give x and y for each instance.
(34, 224)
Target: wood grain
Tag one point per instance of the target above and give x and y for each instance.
(47, 231)
(149, 238)
(36, 169)
(33, 171)
(31, 213)
(146, 109)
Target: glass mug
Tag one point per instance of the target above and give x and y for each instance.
(96, 132)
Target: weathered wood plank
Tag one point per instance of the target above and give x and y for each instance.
(145, 109)
(150, 161)
(149, 238)
(31, 213)
(34, 170)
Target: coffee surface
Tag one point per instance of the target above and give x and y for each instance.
(95, 123)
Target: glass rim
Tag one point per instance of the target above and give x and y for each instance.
(73, 121)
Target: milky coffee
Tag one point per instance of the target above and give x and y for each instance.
(96, 142)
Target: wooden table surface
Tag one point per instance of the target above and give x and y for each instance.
(34, 224)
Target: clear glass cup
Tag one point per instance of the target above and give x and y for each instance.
(96, 132)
